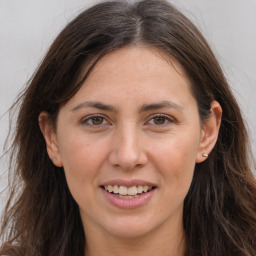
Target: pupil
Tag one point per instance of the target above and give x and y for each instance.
(159, 120)
(97, 120)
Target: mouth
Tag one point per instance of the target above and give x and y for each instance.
(128, 192)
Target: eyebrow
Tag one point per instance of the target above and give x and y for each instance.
(162, 104)
(94, 104)
(144, 108)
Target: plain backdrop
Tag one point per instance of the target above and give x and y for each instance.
(27, 28)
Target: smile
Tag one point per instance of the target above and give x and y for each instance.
(128, 192)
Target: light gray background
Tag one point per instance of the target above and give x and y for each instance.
(27, 28)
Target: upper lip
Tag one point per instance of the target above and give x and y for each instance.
(128, 183)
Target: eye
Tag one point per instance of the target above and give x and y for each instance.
(95, 121)
(160, 120)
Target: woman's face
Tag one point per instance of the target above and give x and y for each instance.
(128, 141)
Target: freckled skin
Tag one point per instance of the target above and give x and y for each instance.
(130, 144)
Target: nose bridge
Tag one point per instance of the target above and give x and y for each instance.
(127, 149)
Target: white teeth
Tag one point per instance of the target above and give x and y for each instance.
(127, 191)
(126, 197)
(123, 190)
(145, 188)
(132, 191)
(110, 188)
(139, 189)
(116, 189)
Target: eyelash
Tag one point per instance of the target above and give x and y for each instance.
(167, 121)
(86, 121)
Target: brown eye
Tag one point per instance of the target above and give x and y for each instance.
(97, 120)
(159, 120)
(94, 121)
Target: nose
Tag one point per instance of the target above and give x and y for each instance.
(127, 152)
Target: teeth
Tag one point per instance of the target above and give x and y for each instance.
(139, 189)
(132, 191)
(127, 191)
(127, 197)
(110, 188)
(123, 190)
(145, 188)
(116, 189)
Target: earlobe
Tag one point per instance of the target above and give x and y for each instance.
(210, 132)
(50, 137)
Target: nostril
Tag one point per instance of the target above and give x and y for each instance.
(127, 160)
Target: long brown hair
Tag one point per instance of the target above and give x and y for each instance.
(42, 218)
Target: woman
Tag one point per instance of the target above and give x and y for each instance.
(129, 141)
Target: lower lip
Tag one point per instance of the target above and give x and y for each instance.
(129, 203)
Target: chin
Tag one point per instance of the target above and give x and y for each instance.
(127, 228)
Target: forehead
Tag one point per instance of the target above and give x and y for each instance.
(140, 60)
(134, 72)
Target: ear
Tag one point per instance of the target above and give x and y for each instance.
(210, 131)
(50, 137)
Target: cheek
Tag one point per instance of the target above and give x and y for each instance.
(175, 159)
(81, 157)
(82, 161)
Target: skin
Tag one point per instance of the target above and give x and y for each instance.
(159, 145)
